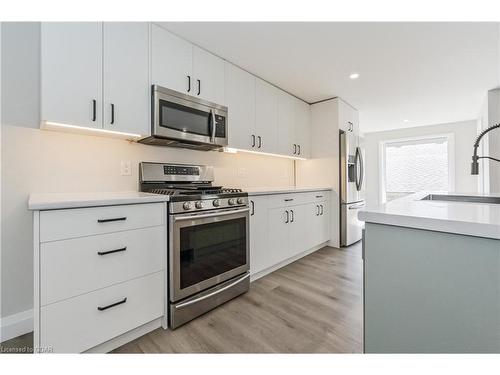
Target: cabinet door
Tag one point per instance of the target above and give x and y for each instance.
(278, 227)
(171, 61)
(208, 72)
(259, 257)
(240, 101)
(266, 116)
(126, 77)
(314, 226)
(286, 124)
(298, 230)
(302, 121)
(71, 73)
(324, 222)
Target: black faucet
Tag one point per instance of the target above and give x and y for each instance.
(475, 158)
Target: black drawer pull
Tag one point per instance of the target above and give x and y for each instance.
(319, 196)
(110, 220)
(289, 200)
(112, 305)
(112, 251)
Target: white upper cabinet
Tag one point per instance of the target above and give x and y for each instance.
(126, 77)
(171, 61)
(302, 125)
(348, 118)
(240, 101)
(208, 72)
(286, 127)
(71, 73)
(179, 65)
(266, 117)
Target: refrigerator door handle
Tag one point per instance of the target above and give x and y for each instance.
(359, 176)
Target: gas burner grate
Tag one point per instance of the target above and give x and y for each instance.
(163, 191)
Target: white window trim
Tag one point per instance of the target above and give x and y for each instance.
(450, 137)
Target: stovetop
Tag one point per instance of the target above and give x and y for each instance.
(190, 187)
(185, 193)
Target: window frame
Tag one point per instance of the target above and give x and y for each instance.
(450, 138)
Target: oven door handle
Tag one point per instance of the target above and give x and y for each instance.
(193, 217)
(215, 292)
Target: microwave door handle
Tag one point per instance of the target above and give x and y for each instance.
(212, 136)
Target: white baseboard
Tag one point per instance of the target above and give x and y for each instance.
(16, 325)
(267, 271)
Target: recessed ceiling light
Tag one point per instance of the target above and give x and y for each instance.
(406, 120)
(354, 76)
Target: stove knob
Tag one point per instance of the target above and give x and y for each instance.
(187, 205)
(231, 201)
(198, 204)
(216, 203)
(241, 201)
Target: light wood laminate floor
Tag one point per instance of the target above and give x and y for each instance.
(313, 305)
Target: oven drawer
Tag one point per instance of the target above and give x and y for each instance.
(77, 324)
(62, 224)
(80, 265)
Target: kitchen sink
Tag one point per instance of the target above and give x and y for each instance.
(462, 198)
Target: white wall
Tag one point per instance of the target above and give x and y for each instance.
(36, 160)
(464, 135)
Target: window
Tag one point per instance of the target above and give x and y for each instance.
(414, 165)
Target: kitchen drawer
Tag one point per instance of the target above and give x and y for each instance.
(62, 224)
(292, 199)
(283, 200)
(72, 267)
(76, 324)
(316, 196)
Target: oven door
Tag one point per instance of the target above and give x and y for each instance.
(184, 118)
(206, 249)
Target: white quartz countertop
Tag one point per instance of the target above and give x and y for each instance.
(283, 190)
(473, 219)
(53, 201)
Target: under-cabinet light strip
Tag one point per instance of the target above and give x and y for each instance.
(50, 124)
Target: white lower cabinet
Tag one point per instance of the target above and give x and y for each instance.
(99, 273)
(78, 324)
(283, 226)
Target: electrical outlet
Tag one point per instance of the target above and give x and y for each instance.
(242, 172)
(126, 168)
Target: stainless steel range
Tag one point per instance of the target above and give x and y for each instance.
(208, 244)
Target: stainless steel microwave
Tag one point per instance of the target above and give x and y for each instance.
(181, 120)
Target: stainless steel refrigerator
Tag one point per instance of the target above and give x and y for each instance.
(352, 193)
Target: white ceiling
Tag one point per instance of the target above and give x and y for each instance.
(427, 73)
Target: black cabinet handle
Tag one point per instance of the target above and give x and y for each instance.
(189, 84)
(293, 216)
(294, 148)
(112, 251)
(321, 209)
(110, 220)
(199, 86)
(317, 210)
(287, 217)
(253, 140)
(102, 308)
(112, 114)
(94, 110)
(260, 141)
(299, 149)
(253, 208)
(289, 200)
(319, 196)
